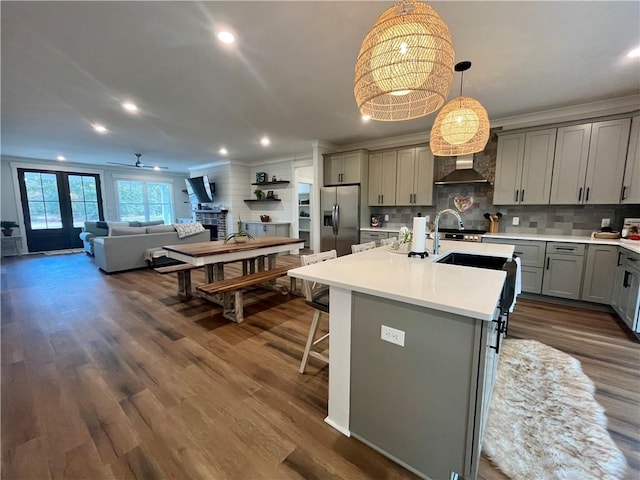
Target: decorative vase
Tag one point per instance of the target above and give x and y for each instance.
(7, 232)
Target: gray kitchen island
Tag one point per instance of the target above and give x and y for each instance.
(412, 353)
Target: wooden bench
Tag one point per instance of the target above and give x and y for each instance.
(232, 308)
(184, 277)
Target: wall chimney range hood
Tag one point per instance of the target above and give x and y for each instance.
(464, 173)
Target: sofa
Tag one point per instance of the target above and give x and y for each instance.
(127, 247)
(92, 230)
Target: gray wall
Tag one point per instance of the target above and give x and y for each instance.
(544, 219)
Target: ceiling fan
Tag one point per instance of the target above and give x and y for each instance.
(138, 164)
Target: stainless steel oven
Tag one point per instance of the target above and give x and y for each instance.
(461, 235)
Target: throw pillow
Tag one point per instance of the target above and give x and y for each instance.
(120, 231)
(160, 229)
(188, 229)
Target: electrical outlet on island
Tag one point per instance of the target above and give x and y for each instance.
(516, 221)
(392, 335)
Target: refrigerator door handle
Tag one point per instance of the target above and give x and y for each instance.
(336, 222)
(333, 220)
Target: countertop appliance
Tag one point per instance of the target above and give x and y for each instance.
(340, 227)
(467, 235)
(631, 229)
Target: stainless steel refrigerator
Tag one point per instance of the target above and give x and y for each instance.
(340, 225)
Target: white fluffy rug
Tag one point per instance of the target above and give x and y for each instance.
(544, 422)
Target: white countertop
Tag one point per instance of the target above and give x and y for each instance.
(468, 291)
(632, 245)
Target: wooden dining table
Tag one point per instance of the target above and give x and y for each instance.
(252, 253)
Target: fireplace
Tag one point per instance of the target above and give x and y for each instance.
(215, 222)
(213, 231)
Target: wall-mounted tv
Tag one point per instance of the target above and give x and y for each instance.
(200, 190)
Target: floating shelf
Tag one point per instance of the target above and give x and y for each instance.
(277, 182)
(264, 200)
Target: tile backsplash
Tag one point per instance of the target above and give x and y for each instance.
(542, 219)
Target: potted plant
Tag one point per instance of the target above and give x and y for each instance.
(258, 193)
(7, 227)
(239, 237)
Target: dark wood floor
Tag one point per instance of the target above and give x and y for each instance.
(111, 376)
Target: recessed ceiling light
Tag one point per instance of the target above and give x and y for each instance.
(60, 158)
(223, 151)
(130, 107)
(265, 141)
(366, 118)
(99, 128)
(156, 168)
(634, 53)
(226, 37)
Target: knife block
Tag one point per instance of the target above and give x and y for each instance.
(494, 226)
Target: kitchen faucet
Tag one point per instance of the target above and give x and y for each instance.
(436, 237)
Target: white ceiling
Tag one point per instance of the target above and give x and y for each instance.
(290, 74)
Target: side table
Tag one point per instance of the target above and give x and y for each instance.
(16, 245)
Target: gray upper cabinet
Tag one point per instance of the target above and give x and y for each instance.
(631, 184)
(607, 155)
(599, 273)
(570, 166)
(414, 184)
(344, 167)
(382, 178)
(589, 163)
(523, 168)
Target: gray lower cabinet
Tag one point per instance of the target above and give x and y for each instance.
(563, 270)
(599, 273)
(532, 257)
(626, 289)
(367, 236)
(423, 404)
(260, 229)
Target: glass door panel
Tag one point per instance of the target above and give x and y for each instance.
(55, 206)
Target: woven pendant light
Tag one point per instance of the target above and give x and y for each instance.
(405, 66)
(462, 126)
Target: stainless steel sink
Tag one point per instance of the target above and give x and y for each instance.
(470, 260)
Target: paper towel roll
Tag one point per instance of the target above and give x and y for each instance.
(419, 241)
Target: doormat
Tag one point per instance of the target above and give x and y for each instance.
(544, 422)
(64, 251)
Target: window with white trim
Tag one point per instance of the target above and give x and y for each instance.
(144, 201)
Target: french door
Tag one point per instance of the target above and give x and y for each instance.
(56, 205)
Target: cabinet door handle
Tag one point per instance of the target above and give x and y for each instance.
(580, 195)
(627, 274)
(499, 332)
(568, 249)
(517, 196)
(548, 259)
(624, 193)
(586, 197)
(518, 253)
(382, 199)
(632, 259)
(414, 198)
(522, 196)
(618, 262)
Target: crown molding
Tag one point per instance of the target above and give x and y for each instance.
(566, 114)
